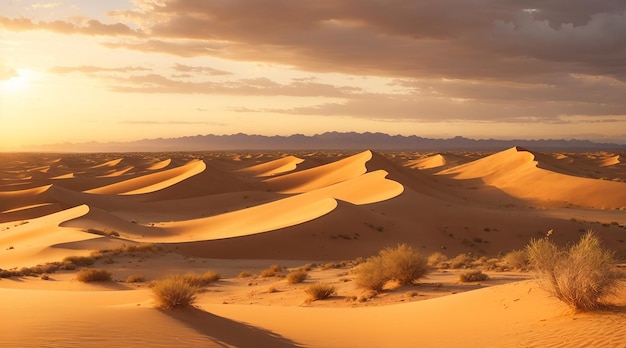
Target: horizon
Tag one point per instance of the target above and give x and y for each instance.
(122, 71)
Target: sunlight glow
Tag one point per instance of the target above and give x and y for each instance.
(20, 82)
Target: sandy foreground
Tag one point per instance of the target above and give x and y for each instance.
(242, 212)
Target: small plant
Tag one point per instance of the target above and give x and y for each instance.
(174, 292)
(297, 276)
(79, 260)
(271, 271)
(244, 274)
(371, 274)
(436, 259)
(135, 278)
(403, 264)
(200, 280)
(517, 259)
(473, 276)
(582, 275)
(320, 291)
(94, 275)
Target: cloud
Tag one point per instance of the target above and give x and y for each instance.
(205, 70)
(90, 69)
(89, 27)
(173, 122)
(7, 73)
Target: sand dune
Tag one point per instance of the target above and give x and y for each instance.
(271, 168)
(236, 212)
(152, 182)
(516, 172)
(321, 176)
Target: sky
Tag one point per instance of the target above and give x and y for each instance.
(121, 70)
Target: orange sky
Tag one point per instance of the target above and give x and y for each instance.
(77, 71)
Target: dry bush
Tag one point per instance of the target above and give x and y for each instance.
(473, 276)
(320, 291)
(517, 259)
(174, 292)
(371, 274)
(135, 278)
(297, 276)
(94, 275)
(271, 271)
(200, 280)
(403, 264)
(306, 267)
(79, 260)
(142, 247)
(244, 274)
(582, 275)
(436, 259)
(462, 261)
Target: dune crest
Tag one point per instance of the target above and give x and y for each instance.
(321, 176)
(152, 182)
(429, 162)
(271, 168)
(516, 172)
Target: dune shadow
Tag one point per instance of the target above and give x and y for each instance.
(228, 332)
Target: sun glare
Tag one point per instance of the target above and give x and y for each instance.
(20, 82)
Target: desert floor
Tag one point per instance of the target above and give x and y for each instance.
(156, 214)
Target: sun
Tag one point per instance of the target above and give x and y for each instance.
(18, 83)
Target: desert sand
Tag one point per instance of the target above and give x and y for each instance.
(242, 212)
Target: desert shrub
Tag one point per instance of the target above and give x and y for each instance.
(79, 260)
(371, 274)
(403, 264)
(142, 247)
(94, 275)
(174, 292)
(473, 276)
(462, 261)
(199, 280)
(320, 291)
(271, 271)
(435, 259)
(244, 274)
(517, 259)
(135, 278)
(297, 276)
(582, 275)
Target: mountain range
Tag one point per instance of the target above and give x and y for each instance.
(324, 141)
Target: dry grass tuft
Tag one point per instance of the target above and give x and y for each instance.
(320, 291)
(437, 259)
(297, 276)
(517, 260)
(244, 274)
(200, 280)
(402, 264)
(582, 276)
(473, 276)
(94, 275)
(271, 271)
(135, 278)
(174, 292)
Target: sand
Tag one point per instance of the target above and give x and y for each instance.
(234, 212)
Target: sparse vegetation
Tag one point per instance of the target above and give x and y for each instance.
(473, 276)
(582, 275)
(297, 276)
(320, 291)
(436, 259)
(200, 280)
(79, 261)
(135, 278)
(174, 292)
(271, 271)
(517, 259)
(402, 264)
(244, 274)
(94, 275)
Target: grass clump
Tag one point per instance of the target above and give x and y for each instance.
(517, 259)
(79, 261)
(320, 291)
(174, 292)
(437, 259)
(94, 275)
(200, 280)
(473, 276)
(297, 276)
(401, 264)
(135, 278)
(582, 276)
(271, 271)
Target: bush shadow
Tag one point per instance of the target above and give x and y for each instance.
(228, 332)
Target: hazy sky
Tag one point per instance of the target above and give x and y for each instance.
(76, 71)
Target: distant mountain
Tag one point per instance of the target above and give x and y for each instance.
(325, 141)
